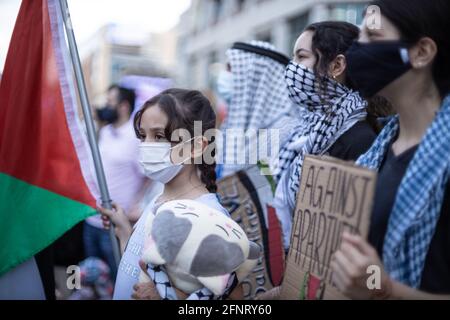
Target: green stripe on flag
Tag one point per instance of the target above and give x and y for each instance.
(31, 218)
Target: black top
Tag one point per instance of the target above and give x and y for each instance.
(436, 274)
(44, 261)
(354, 143)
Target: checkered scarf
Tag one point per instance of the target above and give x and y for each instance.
(329, 110)
(419, 198)
(167, 291)
(260, 97)
(259, 91)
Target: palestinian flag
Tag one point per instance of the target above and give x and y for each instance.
(47, 182)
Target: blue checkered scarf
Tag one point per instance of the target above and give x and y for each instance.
(419, 198)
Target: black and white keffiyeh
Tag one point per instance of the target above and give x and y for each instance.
(260, 97)
(329, 109)
(259, 92)
(167, 292)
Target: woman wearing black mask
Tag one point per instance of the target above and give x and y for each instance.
(406, 61)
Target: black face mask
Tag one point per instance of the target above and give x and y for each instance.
(373, 66)
(107, 114)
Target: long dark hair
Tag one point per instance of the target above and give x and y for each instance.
(418, 18)
(330, 39)
(184, 108)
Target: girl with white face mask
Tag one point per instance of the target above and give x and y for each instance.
(174, 154)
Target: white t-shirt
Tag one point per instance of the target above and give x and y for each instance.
(129, 270)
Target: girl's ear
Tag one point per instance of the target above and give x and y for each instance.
(337, 68)
(423, 53)
(198, 147)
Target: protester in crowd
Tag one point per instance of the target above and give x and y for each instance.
(126, 182)
(95, 281)
(254, 90)
(170, 160)
(334, 115)
(406, 61)
(68, 250)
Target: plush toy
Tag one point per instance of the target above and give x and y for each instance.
(198, 246)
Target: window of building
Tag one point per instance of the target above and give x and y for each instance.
(296, 26)
(217, 9)
(213, 58)
(264, 36)
(349, 12)
(240, 4)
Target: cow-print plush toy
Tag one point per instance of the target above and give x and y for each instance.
(198, 246)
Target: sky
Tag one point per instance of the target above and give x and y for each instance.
(89, 15)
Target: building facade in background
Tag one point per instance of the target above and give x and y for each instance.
(115, 52)
(209, 27)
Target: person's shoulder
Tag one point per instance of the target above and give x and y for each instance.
(212, 200)
(150, 206)
(355, 142)
(128, 129)
(104, 130)
(362, 130)
(127, 135)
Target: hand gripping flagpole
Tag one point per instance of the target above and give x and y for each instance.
(104, 193)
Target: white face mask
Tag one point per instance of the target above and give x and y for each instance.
(154, 157)
(225, 85)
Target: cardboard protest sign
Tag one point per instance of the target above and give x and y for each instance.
(248, 195)
(334, 196)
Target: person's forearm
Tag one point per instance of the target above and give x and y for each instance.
(135, 212)
(123, 240)
(401, 291)
(237, 293)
